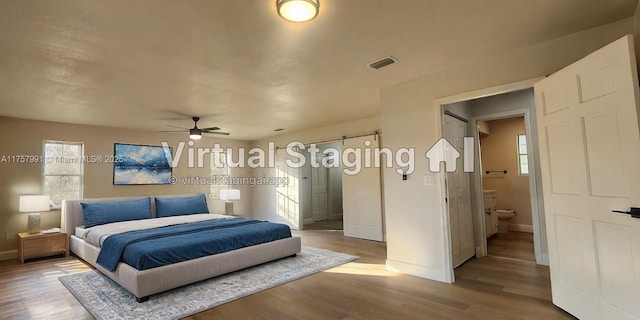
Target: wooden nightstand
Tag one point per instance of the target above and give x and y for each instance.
(33, 245)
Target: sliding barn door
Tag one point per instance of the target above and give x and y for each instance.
(590, 158)
(361, 196)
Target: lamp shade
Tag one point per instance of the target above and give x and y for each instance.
(34, 203)
(230, 194)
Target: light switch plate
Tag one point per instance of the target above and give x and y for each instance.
(429, 180)
(10, 236)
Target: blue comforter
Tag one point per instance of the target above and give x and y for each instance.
(146, 249)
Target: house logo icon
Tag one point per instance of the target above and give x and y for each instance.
(444, 151)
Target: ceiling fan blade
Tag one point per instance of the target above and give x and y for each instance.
(177, 127)
(217, 132)
(210, 129)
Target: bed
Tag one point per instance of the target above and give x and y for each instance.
(152, 278)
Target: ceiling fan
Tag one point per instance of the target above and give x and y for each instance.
(195, 133)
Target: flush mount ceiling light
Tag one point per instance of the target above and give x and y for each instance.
(298, 10)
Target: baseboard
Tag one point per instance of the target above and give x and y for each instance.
(521, 227)
(307, 221)
(8, 255)
(479, 253)
(416, 270)
(545, 260)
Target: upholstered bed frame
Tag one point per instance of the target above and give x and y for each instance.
(144, 283)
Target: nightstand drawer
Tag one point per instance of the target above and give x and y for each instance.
(39, 246)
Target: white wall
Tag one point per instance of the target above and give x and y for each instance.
(461, 109)
(523, 99)
(417, 239)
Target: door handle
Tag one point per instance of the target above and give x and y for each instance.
(633, 212)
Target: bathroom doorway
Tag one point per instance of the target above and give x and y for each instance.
(523, 235)
(505, 184)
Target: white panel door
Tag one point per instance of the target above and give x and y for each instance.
(319, 199)
(459, 197)
(590, 159)
(361, 195)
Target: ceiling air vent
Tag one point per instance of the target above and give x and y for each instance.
(383, 62)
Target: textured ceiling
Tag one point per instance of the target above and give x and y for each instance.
(148, 63)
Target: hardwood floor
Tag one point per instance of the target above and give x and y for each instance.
(488, 288)
(514, 244)
(32, 290)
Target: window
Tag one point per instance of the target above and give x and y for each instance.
(523, 160)
(62, 170)
(220, 174)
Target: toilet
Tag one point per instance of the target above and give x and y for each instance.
(504, 217)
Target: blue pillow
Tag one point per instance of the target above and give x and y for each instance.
(108, 212)
(166, 207)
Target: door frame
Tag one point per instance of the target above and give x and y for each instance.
(479, 228)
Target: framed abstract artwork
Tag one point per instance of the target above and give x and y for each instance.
(141, 164)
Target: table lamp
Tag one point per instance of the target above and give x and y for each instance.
(34, 204)
(229, 195)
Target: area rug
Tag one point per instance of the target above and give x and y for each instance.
(105, 299)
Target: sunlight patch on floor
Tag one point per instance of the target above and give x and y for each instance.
(71, 267)
(53, 274)
(365, 269)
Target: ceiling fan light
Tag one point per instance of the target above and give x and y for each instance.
(298, 10)
(195, 134)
